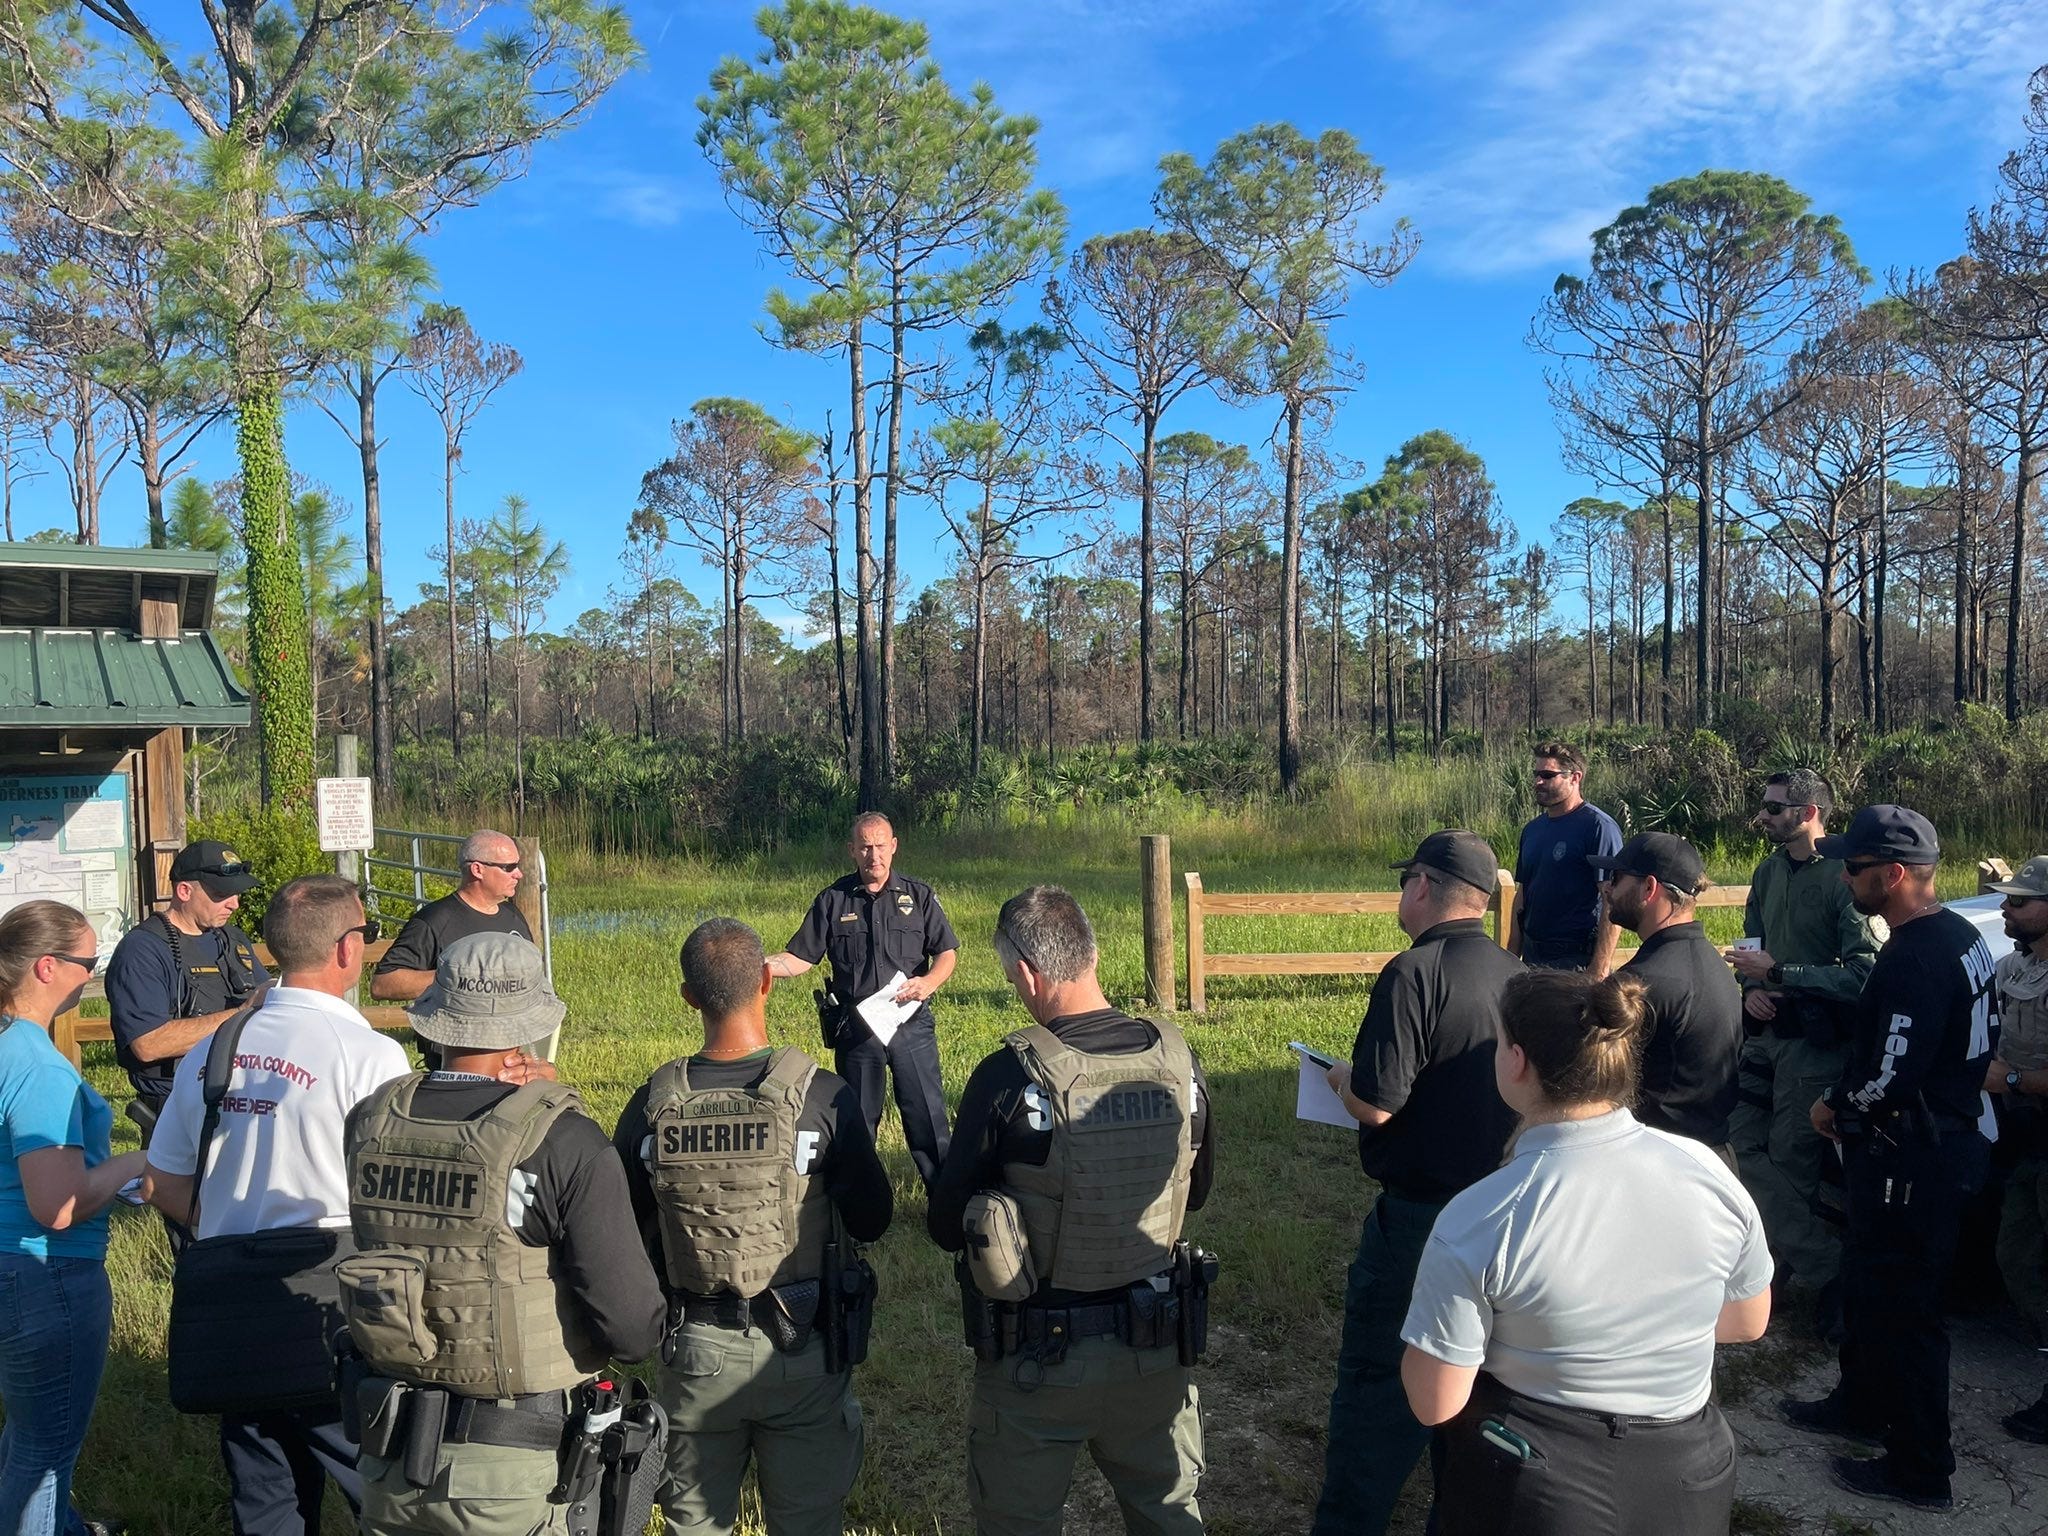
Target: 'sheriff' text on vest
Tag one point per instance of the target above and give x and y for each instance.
(1106, 1208)
(735, 1214)
(444, 1292)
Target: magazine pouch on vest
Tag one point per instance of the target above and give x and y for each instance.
(998, 1255)
(254, 1316)
(444, 1292)
(1106, 1207)
(735, 1214)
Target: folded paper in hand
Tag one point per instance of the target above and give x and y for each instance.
(1314, 1099)
(882, 1014)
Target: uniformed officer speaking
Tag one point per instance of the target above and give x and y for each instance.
(498, 1267)
(874, 923)
(750, 1170)
(1912, 1118)
(1083, 1142)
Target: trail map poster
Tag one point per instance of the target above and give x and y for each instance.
(67, 838)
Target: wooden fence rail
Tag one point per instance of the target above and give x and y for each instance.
(1204, 904)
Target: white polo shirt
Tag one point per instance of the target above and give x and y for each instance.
(1590, 1270)
(304, 1061)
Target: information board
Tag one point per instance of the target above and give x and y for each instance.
(341, 809)
(69, 838)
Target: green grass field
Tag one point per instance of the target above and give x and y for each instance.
(1284, 1214)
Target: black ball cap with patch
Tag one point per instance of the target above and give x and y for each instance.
(216, 866)
(1668, 859)
(1465, 855)
(1894, 834)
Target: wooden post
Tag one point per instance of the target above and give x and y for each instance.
(1156, 881)
(1503, 908)
(531, 901)
(1990, 870)
(348, 864)
(1198, 994)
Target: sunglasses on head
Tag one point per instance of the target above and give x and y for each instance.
(221, 872)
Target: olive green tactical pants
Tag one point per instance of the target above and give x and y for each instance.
(731, 1398)
(1779, 1152)
(479, 1490)
(1135, 1409)
(2023, 1243)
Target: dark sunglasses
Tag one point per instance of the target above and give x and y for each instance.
(371, 931)
(494, 864)
(1860, 866)
(1772, 807)
(86, 963)
(1545, 775)
(1409, 874)
(2010, 901)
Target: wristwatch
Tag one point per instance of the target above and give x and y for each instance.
(2012, 1081)
(1775, 976)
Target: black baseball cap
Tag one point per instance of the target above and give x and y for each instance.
(1669, 858)
(1463, 855)
(215, 867)
(1891, 833)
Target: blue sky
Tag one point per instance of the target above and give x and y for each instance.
(1508, 131)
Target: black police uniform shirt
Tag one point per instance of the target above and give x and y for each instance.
(572, 1201)
(832, 1144)
(868, 938)
(440, 923)
(1694, 1046)
(1004, 1118)
(1927, 1023)
(1424, 1053)
(145, 991)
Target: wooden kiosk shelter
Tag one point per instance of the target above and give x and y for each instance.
(106, 661)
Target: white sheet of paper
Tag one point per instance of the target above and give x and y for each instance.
(1747, 944)
(1314, 1099)
(882, 1014)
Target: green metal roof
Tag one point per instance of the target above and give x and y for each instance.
(89, 586)
(64, 678)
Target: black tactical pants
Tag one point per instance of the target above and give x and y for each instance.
(1905, 1206)
(912, 1058)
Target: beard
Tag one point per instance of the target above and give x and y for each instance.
(1867, 908)
(1624, 911)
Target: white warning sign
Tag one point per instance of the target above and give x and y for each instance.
(341, 808)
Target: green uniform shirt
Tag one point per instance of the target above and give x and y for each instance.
(1810, 927)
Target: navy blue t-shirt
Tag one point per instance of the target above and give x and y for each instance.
(1560, 890)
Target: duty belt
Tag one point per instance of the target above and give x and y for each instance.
(725, 1311)
(1089, 1322)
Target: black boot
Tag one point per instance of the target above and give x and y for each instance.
(2029, 1423)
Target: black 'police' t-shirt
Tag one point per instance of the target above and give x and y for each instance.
(1927, 1022)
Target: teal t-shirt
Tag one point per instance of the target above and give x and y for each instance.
(45, 1103)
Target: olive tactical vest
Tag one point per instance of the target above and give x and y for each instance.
(736, 1214)
(443, 1291)
(1106, 1208)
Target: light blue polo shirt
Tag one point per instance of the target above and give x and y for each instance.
(45, 1103)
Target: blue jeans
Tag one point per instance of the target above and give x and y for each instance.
(55, 1318)
(1374, 1440)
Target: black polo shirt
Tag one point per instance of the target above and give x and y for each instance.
(1695, 1039)
(869, 938)
(1425, 1053)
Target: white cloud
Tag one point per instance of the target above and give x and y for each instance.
(1564, 116)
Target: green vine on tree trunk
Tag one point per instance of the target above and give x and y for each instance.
(278, 664)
